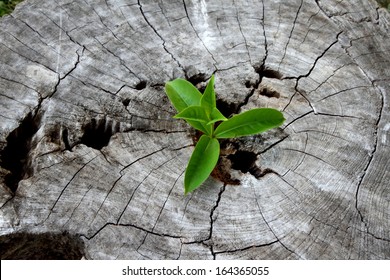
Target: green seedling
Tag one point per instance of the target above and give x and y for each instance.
(201, 112)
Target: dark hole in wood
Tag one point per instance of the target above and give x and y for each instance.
(15, 156)
(258, 173)
(65, 139)
(45, 246)
(268, 73)
(201, 88)
(269, 93)
(141, 85)
(97, 133)
(227, 109)
(196, 79)
(248, 84)
(243, 160)
(222, 172)
(126, 102)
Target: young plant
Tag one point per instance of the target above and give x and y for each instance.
(201, 112)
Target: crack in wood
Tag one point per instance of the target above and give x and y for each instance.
(261, 70)
(21, 84)
(372, 154)
(298, 118)
(242, 33)
(58, 51)
(141, 158)
(143, 180)
(212, 220)
(161, 210)
(338, 116)
(370, 159)
(308, 74)
(273, 145)
(14, 50)
(330, 77)
(341, 91)
(265, 36)
(304, 153)
(132, 226)
(351, 17)
(77, 206)
(314, 156)
(240, 63)
(291, 32)
(105, 25)
(321, 8)
(67, 185)
(165, 201)
(121, 172)
(15, 157)
(273, 232)
(65, 75)
(197, 34)
(140, 83)
(247, 248)
(88, 84)
(163, 12)
(159, 35)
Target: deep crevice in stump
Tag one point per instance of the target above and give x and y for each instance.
(15, 156)
(43, 246)
(97, 133)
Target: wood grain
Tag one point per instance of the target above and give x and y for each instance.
(88, 145)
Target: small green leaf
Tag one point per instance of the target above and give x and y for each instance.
(216, 116)
(182, 94)
(197, 117)
(193, 113)
(249, 123)
(205, 128)
(208, 99)
(202, 162)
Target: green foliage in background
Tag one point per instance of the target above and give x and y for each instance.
(384, 3)
(7, 6)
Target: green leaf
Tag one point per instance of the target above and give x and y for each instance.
(208, 99)
(249, 123)
(205, 128)
(182, 94)
(193, 113)
(199, 114)
(216, 116)
(197, 117)
(208, 102)
(202, 162)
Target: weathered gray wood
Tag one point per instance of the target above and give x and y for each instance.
(88, 144)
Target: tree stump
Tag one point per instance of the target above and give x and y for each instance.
(89, 149)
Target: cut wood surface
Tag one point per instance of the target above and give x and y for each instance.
(89, 149)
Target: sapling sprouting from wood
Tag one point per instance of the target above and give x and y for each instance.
(201, 112)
